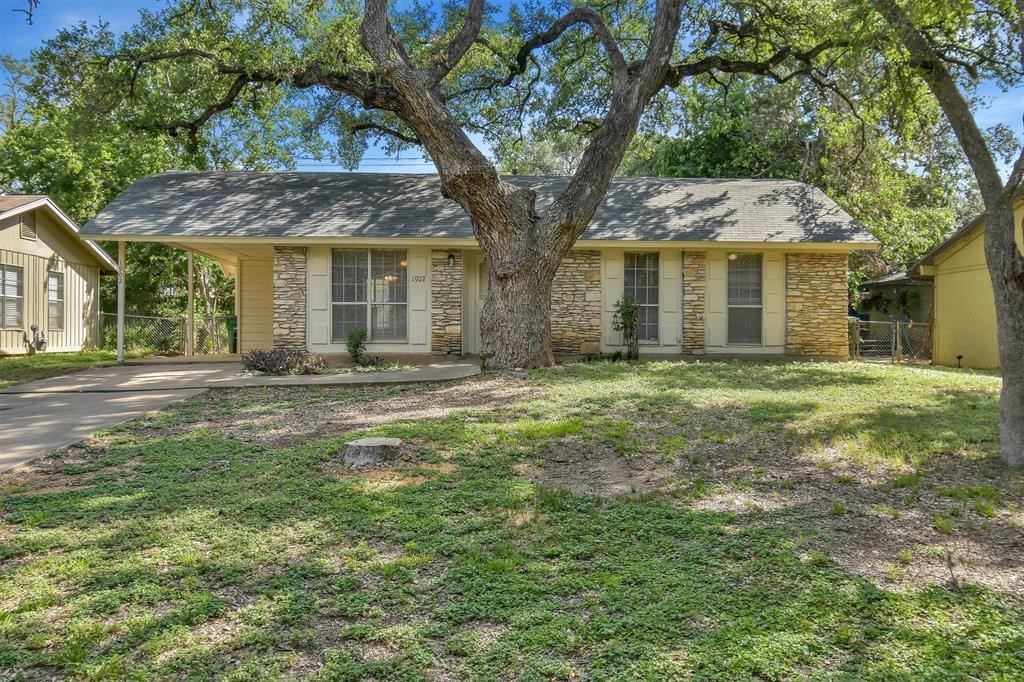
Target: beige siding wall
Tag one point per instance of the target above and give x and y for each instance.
(52, 251)
(256, 304)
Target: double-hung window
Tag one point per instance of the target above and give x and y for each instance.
(369, 290)
(55, 301)
(12, 297)
(641, 283)
(745, 298)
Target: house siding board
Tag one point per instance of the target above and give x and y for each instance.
(53, 250)
(816, 305)
(255, 313)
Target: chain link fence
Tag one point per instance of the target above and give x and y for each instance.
(166, 335)
(896, 341)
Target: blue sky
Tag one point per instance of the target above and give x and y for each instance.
(18, 39)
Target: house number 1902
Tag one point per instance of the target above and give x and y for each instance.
(419, 278)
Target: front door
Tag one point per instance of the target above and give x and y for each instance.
(474, 292)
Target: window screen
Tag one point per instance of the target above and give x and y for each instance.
(745, 295)
(55, 301)
(369, 291)
(12, 296)
(388, 305)
(641, 282)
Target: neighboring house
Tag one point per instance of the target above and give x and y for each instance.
(718, 266)
(964, 308)
(49, 278)
(896, 296)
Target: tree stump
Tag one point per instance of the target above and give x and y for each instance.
(367, 452)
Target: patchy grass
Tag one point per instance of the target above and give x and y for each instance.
(18, 369)
(691, 532)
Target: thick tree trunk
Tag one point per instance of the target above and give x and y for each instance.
(515, 326)
(1004, 258)
(1007, 273)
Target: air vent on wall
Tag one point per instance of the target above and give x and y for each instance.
(28, 225)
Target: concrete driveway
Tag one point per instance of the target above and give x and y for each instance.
(41, 416)
(44, 415)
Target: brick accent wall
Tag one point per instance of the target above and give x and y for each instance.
(445, 303)
(816, 304)
(576, 305)
(695, 288)
(290, 297)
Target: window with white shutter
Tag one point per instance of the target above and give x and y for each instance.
(55, 301)
(12, 297)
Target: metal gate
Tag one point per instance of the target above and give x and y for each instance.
(896, 341)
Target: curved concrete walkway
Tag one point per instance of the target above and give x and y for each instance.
(41, 416)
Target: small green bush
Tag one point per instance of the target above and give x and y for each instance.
(627, 321)
(355, 342)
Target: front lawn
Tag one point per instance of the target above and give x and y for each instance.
(594, 521)
(18, 369)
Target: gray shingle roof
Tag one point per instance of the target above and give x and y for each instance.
(240, 204)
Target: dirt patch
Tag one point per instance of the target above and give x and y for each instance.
(593, 468)
(856, 515)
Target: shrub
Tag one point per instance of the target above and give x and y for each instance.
(627, 321)
(356, 344)
(283, 361)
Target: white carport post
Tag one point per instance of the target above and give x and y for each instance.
(190, 321)
(120, 302)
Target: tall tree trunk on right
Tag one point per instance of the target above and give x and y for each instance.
(1006, 269)
(1004, 258)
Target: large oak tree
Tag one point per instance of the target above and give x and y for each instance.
(951, 47)
(425, 80)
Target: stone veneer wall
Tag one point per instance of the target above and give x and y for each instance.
(695, 287)
(576, 305)
(445, 303)
(290, 297)
(816, 304)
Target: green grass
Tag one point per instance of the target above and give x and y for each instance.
(18, 369)
(208, 553)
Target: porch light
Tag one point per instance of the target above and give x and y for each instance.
(733, 256)
(403, 263)
(451, 260)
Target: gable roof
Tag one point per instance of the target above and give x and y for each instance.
(8, 202)
(294, 205)
(953, 239)
(14, 204)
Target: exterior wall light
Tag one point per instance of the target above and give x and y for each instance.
(451, 260)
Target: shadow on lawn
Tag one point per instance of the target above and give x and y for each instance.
(620, 587)
(407, 577)
(720, 374)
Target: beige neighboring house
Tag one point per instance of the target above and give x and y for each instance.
(739, 267)
(49, 279)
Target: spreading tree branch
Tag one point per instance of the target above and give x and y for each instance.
(397, 134)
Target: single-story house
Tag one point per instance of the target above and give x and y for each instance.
(718, 266)
(896, 296)
(49, 278)
(964, 315)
